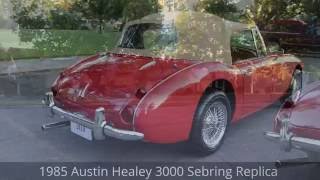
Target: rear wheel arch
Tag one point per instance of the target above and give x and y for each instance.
(223, 86)
(198, 82)
(217, 89)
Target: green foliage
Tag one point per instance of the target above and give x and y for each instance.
(59, 43)
(61, 19)
(31, 13)
(55, 43)
(100, 10)
(139, 8)
(265, 11)
(312, 7)
(222, 8)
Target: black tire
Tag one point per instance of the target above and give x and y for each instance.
(199, 138)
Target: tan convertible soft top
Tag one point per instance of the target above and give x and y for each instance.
(201, 36)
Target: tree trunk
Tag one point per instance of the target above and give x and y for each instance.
(100, 25)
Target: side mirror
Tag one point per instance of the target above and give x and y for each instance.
(274, 48)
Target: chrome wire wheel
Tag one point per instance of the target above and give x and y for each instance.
(214, 124)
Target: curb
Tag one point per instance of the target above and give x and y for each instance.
(19, 103)
(32, 65)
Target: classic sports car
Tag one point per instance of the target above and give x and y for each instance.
(173, 77)
(293, 35)
(297, 124)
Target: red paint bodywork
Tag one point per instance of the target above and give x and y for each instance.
(158, 97)
(304, 115)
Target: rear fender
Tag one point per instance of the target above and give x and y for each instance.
(165, 114)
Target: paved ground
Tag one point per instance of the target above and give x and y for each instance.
(21, 138)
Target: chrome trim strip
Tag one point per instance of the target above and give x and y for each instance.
(306, 144)
(300, 143)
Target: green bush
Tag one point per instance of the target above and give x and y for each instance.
(60, 43)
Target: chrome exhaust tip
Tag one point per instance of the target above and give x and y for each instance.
(55, 125)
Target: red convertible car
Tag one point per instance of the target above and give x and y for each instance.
(173, 77)
(297, 124)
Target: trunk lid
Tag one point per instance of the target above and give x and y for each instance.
(115, 76)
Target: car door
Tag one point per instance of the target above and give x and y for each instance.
(263, 76)
(252, 64)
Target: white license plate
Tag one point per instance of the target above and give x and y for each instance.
(81, 131)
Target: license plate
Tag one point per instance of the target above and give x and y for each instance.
(82, 131)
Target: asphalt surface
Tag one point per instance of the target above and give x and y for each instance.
(22, 140)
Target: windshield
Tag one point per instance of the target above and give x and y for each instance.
(152, 37)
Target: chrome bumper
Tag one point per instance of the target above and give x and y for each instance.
(288, 141)
(99, 127)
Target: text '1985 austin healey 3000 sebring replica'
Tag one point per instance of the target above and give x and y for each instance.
(173, 77)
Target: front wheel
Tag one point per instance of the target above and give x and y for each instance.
(211, 122)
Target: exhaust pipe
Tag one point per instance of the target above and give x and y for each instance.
(55, 125)
(293, 163)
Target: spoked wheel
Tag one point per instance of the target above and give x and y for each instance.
(214, 124)
(211, 122)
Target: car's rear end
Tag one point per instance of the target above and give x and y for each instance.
(100, 94)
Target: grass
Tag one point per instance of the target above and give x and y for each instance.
(28, 44)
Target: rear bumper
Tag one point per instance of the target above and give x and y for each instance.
(288, 141)
(99, 127)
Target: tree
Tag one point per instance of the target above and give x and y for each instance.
(62, 19)
(31, 14)
(100, 10)
(139, 8)
(265, 11)
(222, 8)
(312, 7)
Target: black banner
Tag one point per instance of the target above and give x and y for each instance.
(157, 170)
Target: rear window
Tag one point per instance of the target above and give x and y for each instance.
(153, 37)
